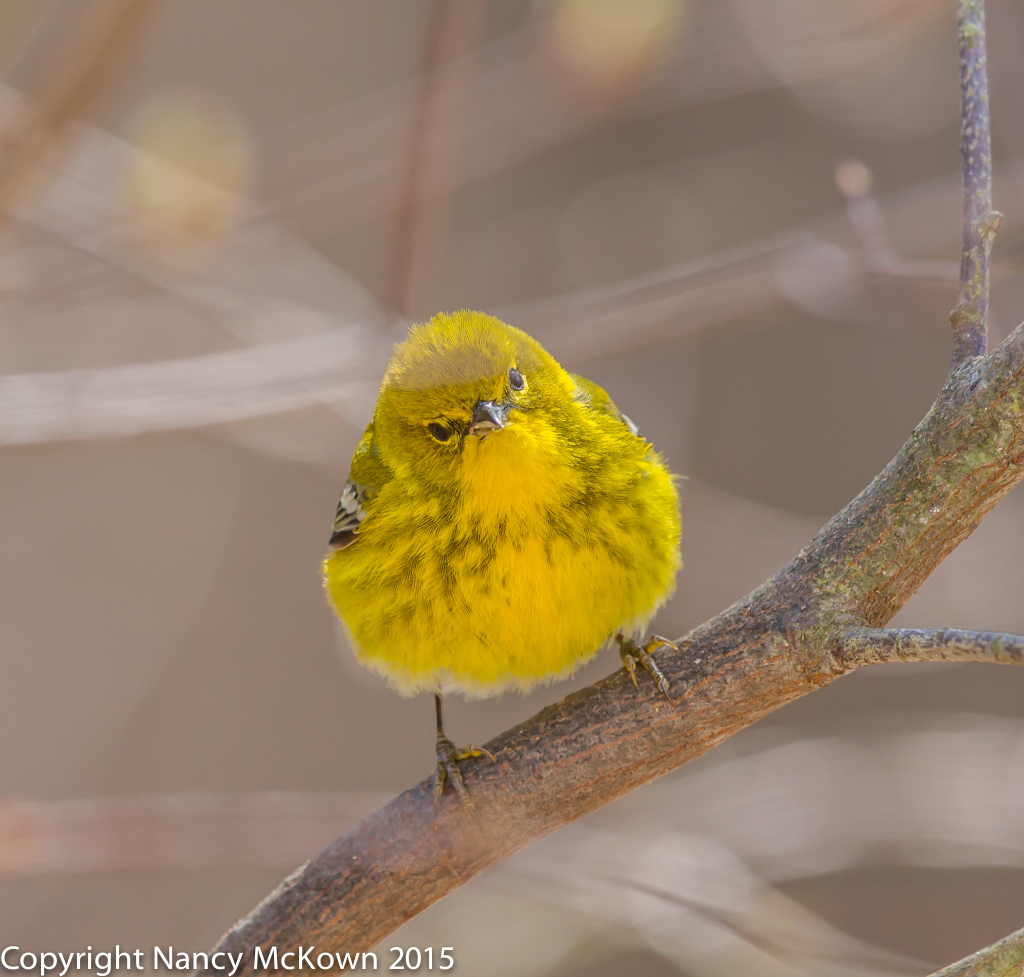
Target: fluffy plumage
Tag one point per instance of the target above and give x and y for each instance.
(480, 557)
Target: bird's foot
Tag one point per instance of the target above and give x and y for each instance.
(448, 759)
(633, 654)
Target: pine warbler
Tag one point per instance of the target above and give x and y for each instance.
(501, 523)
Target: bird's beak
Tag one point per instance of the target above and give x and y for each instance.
(487, 416)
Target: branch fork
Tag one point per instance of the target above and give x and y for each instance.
(821, 616)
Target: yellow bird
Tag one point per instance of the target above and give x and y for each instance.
(502, 522)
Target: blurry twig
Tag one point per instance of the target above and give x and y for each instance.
(80, 212)
(981, 222)
(1002, 959)
(883, 779)
(445, 81)
(688, 895)
(348, 161)
(854, 180)
(801, 948)
(268, 830)
(683, 299)
(98, 44)
(352, 156)
(174, 394)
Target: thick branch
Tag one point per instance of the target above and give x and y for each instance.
(809, 624)
(980, 221)
(872, 646)
(778, 643)
(1002, 959)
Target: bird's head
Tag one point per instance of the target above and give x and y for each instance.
(467, 397)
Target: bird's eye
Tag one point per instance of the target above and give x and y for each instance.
(515, 379)
(439, 432)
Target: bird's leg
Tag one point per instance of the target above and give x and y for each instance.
(632, 655)
(448, 759)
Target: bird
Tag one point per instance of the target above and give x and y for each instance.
(502, 522)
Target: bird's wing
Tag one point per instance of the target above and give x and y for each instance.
(594, 397)
(367, 477)
(348, 516)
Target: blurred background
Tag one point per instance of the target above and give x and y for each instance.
(741, 217)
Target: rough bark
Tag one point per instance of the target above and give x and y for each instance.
(815, 620)
(980, 221)
(792, 635)
(869, 646)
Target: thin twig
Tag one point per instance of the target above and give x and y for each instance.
(981, 222)
(1002, 959)
(865, 215)
(872, 646)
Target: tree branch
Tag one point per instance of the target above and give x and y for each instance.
(796, 633)
(1002, 959)
(783, 640)
(980, 221)
(872, 646)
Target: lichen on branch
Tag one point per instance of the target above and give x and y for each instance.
(819, 617)
(872, 646)
(981, 222)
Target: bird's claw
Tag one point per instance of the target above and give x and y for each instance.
(633, 654)
(448, 759)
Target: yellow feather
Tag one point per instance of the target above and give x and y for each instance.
(508, 559)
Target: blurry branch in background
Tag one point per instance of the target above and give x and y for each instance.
(807, 948)
(323, 357)
(98, 44)
(794, 634)
(802, 267)
(874, 787)
(271, 829)
(444, 84)
(695, 866)
(687, 896)
(854, 181)
(353, 155)
(981, 222)
(194, 392)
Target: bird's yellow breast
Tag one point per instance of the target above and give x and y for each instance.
(503, 520)
(515, 576)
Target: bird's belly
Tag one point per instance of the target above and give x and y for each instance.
(486, 613)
